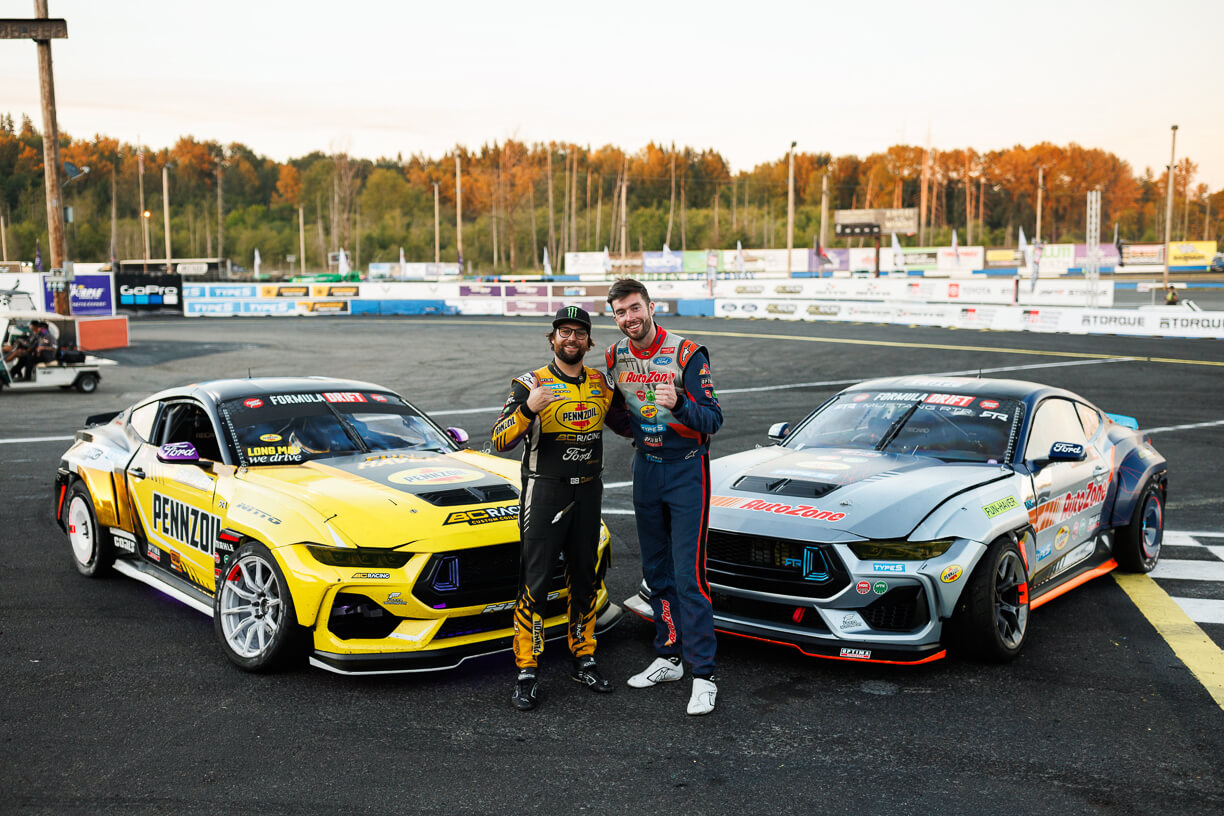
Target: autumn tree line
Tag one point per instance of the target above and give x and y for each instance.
(517, 199)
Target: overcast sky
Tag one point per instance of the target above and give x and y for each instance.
(745, 77)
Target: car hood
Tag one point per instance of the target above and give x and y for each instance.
(836, 493)
(390, 499)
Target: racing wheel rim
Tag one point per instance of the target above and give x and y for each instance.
(1152, 529)
(80, 530)
(1010, 600)
(252, 611)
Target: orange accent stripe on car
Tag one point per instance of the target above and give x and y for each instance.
(1096, 572)
(929, 659)
(59, 507)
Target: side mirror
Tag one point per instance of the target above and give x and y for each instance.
(1067, 452)
(459, 435)
(1061, 452)
(778, 431)
(178, 453)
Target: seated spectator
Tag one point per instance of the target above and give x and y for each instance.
(38, 347)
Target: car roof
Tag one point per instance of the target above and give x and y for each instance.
(237, 388)
(972, 386)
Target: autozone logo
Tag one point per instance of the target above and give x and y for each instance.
(1058, 510)
(483, 516)
(800, 510)
(184, 523)
(644, 377)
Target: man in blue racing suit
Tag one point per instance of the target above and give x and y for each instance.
(666, 384)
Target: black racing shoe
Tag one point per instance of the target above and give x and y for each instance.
(526, 690)
(587, 673)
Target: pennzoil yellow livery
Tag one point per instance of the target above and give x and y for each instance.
(311, 517)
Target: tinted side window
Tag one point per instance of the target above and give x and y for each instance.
(141, 420)
(188, 422)
(1056, 420)
(1090, 419)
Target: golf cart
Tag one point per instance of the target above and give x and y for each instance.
(71, 369)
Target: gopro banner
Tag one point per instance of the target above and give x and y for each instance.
(149, 293)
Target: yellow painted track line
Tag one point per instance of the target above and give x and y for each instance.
(849, 341)
(1198, 652)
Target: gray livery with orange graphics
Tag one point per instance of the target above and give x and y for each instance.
(912, 514)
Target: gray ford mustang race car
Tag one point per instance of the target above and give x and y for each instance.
(908, 514)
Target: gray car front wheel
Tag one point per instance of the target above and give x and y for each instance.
(991, 620)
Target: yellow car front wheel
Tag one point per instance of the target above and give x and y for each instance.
(253, 612)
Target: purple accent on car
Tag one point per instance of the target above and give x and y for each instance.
(178, 453)
(459, 435)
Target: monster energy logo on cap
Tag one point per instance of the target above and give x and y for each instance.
(572, 314)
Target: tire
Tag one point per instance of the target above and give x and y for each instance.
(991, 619)
(87, 383)
(253, 612)
(1137, 545)
(91, 547)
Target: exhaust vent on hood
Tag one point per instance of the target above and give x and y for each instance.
(458, 496)
(781, 486)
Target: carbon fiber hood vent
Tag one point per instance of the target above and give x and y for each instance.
(782, 486)
(460, 496)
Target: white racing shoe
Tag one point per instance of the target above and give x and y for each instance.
(702, 699)
(661, 670)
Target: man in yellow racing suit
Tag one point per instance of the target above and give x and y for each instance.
(559, 412)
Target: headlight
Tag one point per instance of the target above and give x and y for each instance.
(370, 559)
(900, 550)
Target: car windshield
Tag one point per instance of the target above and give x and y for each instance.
(278, 429)
(951, 427)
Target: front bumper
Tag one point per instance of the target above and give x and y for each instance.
(824, 645)
(445, 658)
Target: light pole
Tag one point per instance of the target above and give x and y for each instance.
(1169, 208)
(437, 239)
(790, 207)
(144, 226)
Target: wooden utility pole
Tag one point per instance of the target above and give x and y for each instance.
(220, 206)
(302, 237)
(790, 207)
(624, 212)
(459, 214)
(437, 234)
(573, 233)
(671, 209)
(824, 211)
(552, 231)
(42, 29)
(1040, 190)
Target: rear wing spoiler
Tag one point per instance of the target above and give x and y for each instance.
(101, 419)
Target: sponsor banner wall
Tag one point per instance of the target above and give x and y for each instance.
(400, 290)
(1055, 259)
(662, 262)
(1002, 258)
(1058, 291)
(765, 260)
(1142, 254)
(394, 270)
(580, 290)
(836, 260)
(88, 295)
(587, 263)
(148, 293)
(1108, 257)
(1191, 253)
(964, 259)
(477, 306)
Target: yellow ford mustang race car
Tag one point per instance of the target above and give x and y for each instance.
(308, 516)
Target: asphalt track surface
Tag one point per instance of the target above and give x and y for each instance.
(118, 700)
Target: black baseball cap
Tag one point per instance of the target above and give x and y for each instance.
(572, 314)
